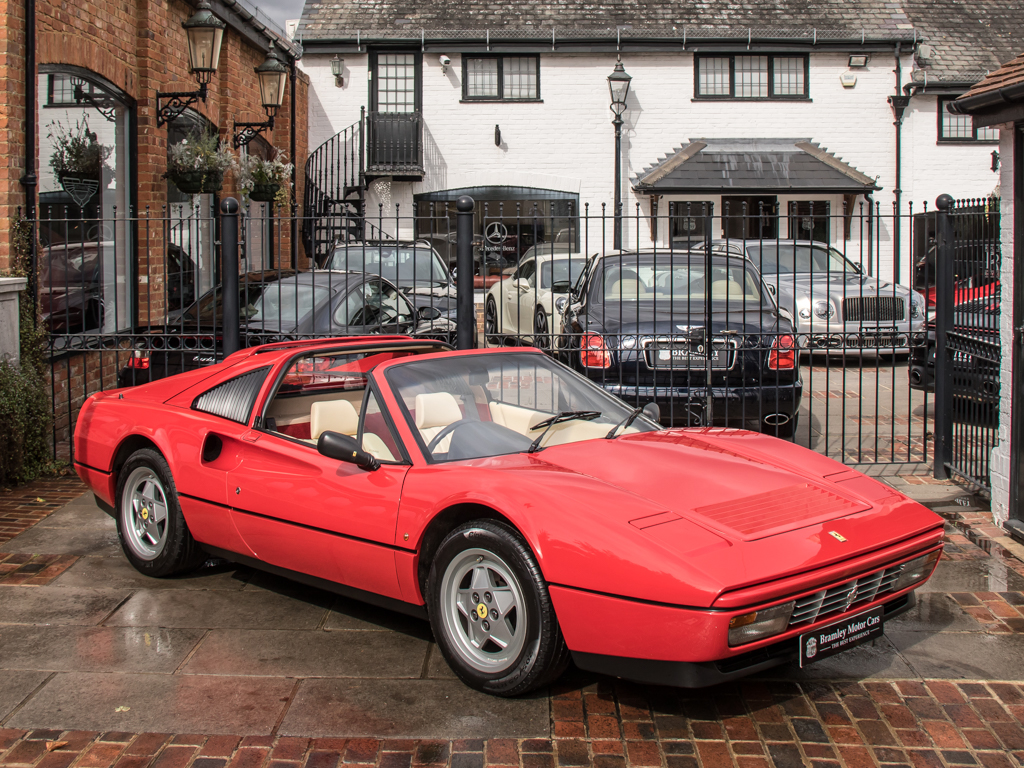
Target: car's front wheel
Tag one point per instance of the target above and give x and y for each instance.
(150, 524)
(491, 322)
(541, 335)
(491, 612)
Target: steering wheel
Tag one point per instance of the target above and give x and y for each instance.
(444, 433)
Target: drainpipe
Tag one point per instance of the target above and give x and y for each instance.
(30, 180)
(899, 103)
(295, 167)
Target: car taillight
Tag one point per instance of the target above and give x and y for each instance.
(593, 353)
(783, 354)
(139, 360)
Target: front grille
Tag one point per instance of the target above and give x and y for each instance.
(875, 309)
(843, 597)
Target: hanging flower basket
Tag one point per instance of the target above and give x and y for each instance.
(198, 182)
(264, 193)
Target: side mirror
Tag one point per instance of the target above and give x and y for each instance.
(652, 412)
(335, 445)
(428, 313)
(783, 312)
(521, 284)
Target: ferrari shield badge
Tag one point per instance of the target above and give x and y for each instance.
(837, 536)
(481, 611)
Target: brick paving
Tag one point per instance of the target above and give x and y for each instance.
(611, 725)
(24, 506)
(32, 570)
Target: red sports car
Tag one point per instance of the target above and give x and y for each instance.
(529, 515)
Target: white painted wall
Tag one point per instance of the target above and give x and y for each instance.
(567, 141)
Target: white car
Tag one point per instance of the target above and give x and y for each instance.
(526, 306)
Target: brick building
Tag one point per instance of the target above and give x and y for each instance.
(99, 68)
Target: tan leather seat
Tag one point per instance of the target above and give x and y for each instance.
(333, 416)
(515, 417)
(726, 289)
(434, 412)
(627, 289)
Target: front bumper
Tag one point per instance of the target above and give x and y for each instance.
(734, 405)
(701, 674)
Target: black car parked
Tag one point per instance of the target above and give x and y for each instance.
(663, 328)
(275, 306)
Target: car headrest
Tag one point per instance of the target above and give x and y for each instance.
(436, 409)
(333, 416)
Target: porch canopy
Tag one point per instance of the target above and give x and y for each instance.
(752, 166)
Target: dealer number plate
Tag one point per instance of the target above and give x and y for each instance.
(686, 356)
(837, 637)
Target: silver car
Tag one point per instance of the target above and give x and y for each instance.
(833, 304)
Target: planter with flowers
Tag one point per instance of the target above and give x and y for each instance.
(198, 163)
(77, 159)
(266, 181)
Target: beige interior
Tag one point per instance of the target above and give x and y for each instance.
(726, 289)
(515, 417)
(298, 410)
(434, 412)
(628, 289)
(333, 416)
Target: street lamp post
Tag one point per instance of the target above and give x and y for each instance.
(273, 75)
(618, 85)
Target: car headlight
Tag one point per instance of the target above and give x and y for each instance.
(916, 570)
(759, 624)
(917, 310)
(824, 309)
(560, 303)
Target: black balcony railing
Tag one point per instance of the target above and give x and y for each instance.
(394, 143)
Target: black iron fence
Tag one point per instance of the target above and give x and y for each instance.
(737, 317)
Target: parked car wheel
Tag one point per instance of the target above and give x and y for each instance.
(491, 322)
(491, 612)
(150, 525)
(541, 336)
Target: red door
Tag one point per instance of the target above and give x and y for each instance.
(305, 512)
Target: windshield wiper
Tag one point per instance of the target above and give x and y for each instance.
(625, 422)
(558, 419)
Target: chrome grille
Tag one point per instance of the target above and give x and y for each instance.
(877, 309)
(842, 597)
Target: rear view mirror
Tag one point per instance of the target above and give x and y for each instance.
(335, 445)
(652, 412)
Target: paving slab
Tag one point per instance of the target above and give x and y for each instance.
(934, 612)
(94, 538)
(95, 649)
(437, 667)
(411, 709)
(980, 575)
(58, 605)
(116, 572)
(221, 610)
(961, 655)
(15, 687)
(353, 615)
(156, 703)
(77, 512)
(877, 660)
(277, 653)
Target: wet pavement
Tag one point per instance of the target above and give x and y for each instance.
(94, 653)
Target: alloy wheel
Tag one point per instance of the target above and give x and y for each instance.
(144, 514)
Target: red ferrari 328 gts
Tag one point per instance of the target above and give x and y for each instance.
(530, 516)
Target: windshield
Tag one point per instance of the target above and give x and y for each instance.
(404, 265)
(560, 273)
(471, 406)
(261, 302)
(782, 258)
(676, 279)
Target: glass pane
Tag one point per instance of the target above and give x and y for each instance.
(713, 76)
(84, 200)
(988, 134)
(396, 82)
(377, 439)
(482, 78)
(520, 76)
(788, 79)
(751, 77)
(955, 126)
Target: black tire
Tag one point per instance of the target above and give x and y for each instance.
(491, 334)
(535, 657)
(541, 334)
(174, 550)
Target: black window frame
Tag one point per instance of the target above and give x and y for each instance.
(698, 96)
(941, 103)
(501, 77)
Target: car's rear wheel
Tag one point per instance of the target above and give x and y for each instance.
(150, 524)
(491, 612)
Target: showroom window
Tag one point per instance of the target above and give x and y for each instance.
(959, 128)
(86, 265)
(751, 77)
(687, 222)
(501, 78)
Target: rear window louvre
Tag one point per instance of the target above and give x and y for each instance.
(234, 399)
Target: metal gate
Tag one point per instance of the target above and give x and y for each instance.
(966, 339)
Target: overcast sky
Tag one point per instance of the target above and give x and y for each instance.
(280, 10)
